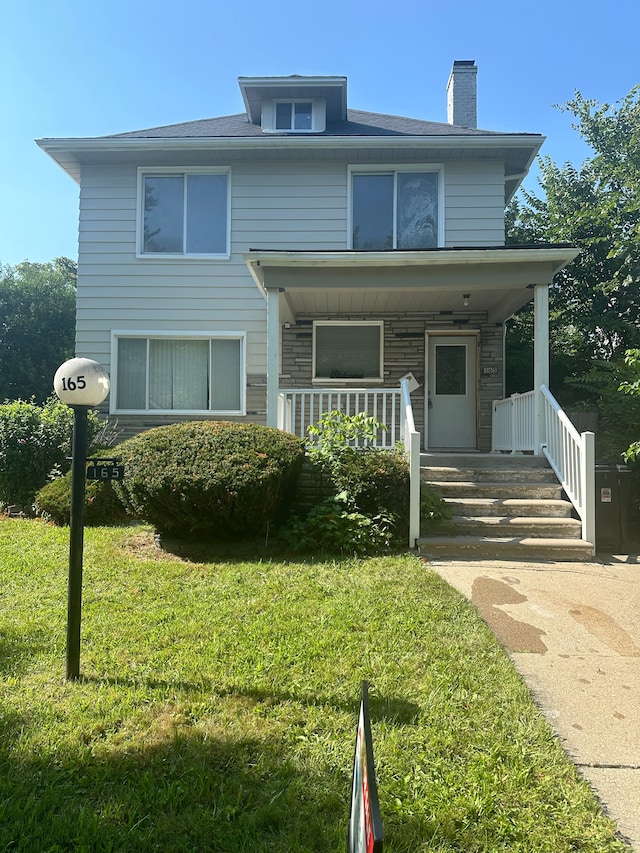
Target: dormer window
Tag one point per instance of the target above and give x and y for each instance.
(294, 104)
(294, 115)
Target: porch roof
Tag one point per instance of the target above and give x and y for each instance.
(496, 280)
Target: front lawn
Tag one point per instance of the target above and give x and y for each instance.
(218, 705)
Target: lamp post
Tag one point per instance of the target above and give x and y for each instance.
(80, 383)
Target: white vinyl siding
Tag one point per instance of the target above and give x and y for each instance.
(278, 204)
(474, 204)
(164, 373)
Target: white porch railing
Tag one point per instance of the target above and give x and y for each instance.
(513, 425)
(298, 408)
(571, 454)
(411, 438)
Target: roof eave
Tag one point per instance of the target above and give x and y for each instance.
(65, 151)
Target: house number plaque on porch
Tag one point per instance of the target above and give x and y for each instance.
(489, 371)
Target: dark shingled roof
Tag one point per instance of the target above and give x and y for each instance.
(358, 123)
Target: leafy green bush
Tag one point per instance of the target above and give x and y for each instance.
(102, 505)
(210, 480)
(370, 506)
(433, 509)
(333, 527)
(374, 480)
(34, 440)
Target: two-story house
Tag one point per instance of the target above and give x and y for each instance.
(302, 256)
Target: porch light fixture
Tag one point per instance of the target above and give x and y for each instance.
(465, 299)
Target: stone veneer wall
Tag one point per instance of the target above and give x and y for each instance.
(404, 350)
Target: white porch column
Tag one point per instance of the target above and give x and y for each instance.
(273, 354)
(540, 359)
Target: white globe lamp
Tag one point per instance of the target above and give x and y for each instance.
(81, 382)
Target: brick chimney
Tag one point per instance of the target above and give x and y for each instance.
(462, 107)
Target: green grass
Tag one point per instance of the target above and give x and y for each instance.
(218, 704)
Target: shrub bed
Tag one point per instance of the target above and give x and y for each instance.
(34, 440)
(102, 505)
(211, 480)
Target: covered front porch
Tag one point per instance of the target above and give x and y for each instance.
(344, 327)
(416, 338)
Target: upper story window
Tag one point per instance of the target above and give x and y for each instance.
(184, 213)
(395, 209)
(294, 115)
(302, 116)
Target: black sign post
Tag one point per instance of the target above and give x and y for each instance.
(365, 821)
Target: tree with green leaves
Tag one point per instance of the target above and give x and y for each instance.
(37, 326)
(595, 300)
(631, 387)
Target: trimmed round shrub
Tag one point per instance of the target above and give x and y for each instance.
(210, 480)
(102, 505)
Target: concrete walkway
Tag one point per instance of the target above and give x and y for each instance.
(573, 633)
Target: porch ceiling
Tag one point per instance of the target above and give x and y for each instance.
(498, 281)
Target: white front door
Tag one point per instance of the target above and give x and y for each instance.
(451, 392)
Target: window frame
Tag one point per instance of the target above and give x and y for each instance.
(176, 171)
(118, 335)
(318, 115)
(370, 380)
(395, 170)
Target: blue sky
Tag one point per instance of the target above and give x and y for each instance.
(87, 68)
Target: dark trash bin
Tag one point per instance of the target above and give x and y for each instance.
(613, 497)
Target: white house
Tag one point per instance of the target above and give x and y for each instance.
(302, 256)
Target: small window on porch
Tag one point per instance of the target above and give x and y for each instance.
(347, 352)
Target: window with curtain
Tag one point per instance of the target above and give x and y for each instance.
(347, 351)
(180, 374)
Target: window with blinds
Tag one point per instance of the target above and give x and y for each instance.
(348, 351)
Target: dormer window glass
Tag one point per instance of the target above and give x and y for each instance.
(294, 115)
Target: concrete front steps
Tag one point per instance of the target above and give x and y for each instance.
(503, 506)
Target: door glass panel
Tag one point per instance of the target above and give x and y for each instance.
(451, 370)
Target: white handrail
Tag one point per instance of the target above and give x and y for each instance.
(513, 423)
(572, 456)
(412, 449)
